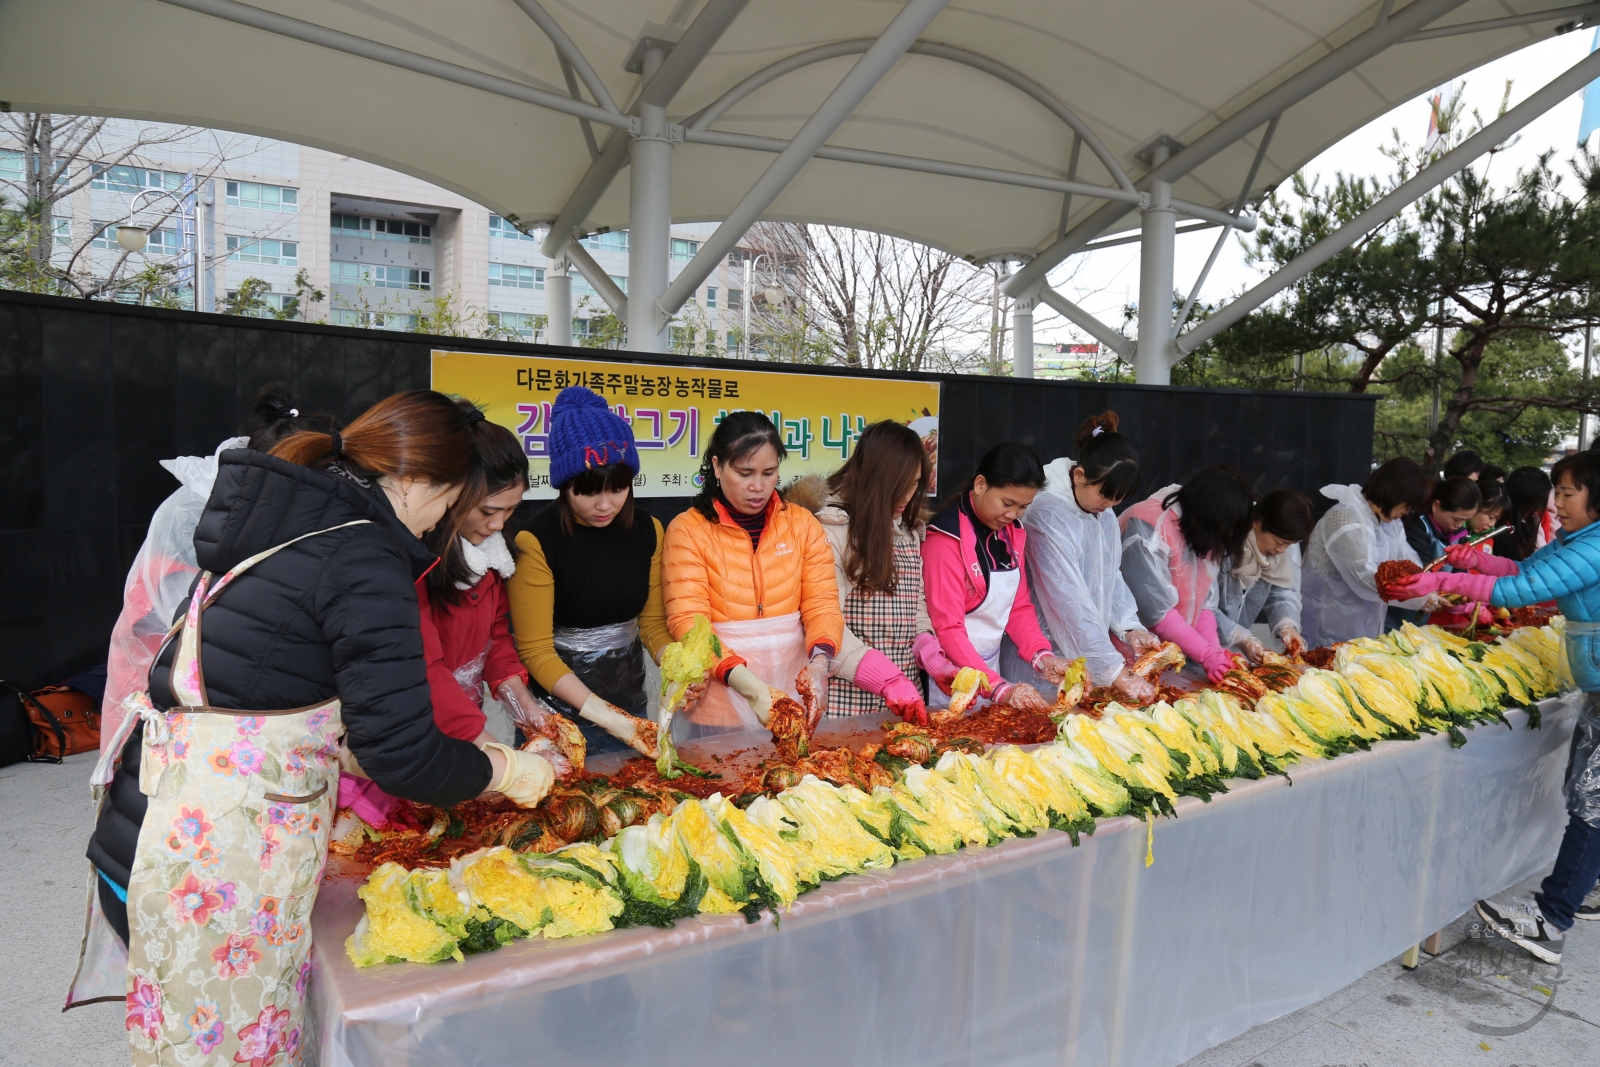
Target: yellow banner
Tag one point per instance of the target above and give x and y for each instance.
(673, 410)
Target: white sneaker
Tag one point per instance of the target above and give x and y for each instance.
(1590, 908)
(1519, 921)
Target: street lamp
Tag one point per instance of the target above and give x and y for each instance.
(134, 238)
(773, 293)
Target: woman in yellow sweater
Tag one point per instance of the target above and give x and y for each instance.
(586, 597)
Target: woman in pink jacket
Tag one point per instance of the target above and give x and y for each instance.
(1173, 545)
(977, 586)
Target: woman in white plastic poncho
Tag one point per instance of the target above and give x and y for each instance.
(1361, 531)
(1075, 558)
(164, 567)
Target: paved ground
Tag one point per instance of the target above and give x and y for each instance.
(1478, 1002)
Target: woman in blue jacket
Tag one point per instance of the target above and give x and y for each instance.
(1567, 570)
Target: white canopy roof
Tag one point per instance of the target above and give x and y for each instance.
(1131, 71)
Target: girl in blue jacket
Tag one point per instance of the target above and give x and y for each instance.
(1567, 570)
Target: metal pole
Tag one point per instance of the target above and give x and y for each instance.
(649, 221)
(558, 301)
(1022, 335)
(1159, 223)
(853, 88)
(199, 248)
(1423, 182)
(1583, 417)
(1113, 340)
(1438, 352)
(1275, 101)
(744, 341)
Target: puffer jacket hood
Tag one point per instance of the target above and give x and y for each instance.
(260, 501)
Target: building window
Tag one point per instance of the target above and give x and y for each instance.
(270, 302)
(349, 225)
(417, 233)
(105, 235)
(10, 165)
(499, 227)
(131, 179)
(733, 340)
(514, 277)
(580, 329)
(616, 241)
(711, 296)
(525, 326)
(735, 299)
(263, 250)
(265, 197)
(62, 229)
(162, 241)
(373, 320)
(682, 249)
(380, 277)
(581, 286)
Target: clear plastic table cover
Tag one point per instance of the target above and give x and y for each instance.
(1033, 952)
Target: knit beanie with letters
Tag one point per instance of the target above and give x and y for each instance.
(586, 433)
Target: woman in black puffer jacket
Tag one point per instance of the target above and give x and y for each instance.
(310, 631)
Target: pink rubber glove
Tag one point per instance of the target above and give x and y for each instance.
(1173, 628)
(931, 658)
(1475, 587)
(375, 807)
(1472, 558)
(905, 701)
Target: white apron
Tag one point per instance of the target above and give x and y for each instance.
(773, 648)
(986, 625)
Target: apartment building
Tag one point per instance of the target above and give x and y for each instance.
(383, 247)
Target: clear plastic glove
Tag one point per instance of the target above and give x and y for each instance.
(638, 734)
(692, 696)
(816, 673)
(1022, 696)
(1293, 644)
(743, 680)
(527, 778)
(1142, 641)
(1136, 689)
(1217, 663)
(931, 658)
(541, 745)
(1051, 666)
(904, 700)
(523, 708)
(1253, 650)
(1435, 602)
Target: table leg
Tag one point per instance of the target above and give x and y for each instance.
(1434, 944)
(1409, 960)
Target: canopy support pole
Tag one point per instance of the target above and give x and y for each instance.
(558, 302)
(869, 70)
(1422, 183)
(649, 221)
(1222, 238)
(1086, 322)
(1157, 247)
(692, 48)
(1022, 334)
(1275, 101)
(598, 279)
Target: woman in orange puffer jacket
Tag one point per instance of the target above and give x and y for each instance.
(761, 570)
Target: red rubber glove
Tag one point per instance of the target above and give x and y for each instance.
(1472, 558)
(1475, 587)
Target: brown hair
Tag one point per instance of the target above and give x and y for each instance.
(502, 464)
(887, 457)
(418, 434)
(1286, 513)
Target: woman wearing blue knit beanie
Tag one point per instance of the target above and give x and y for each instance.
(586, 597)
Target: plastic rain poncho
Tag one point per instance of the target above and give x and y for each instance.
(162, 571)
(1161, 570)
(1075, 574)
(1238, 607)
(1339, 575)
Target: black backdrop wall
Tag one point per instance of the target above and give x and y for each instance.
(93, 394)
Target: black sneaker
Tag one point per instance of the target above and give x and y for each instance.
(1519, 921)
(1590, 908)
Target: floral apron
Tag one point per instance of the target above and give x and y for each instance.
(229, 858)
(886, 622)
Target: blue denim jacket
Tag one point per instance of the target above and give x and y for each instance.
(1567, 570)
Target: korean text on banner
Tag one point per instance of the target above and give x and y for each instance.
(673, 410)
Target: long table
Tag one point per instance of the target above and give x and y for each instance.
(1267, 899)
